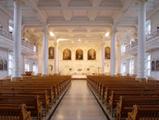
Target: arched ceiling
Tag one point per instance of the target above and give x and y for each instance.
(90, 19)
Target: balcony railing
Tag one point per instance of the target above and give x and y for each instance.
(9, 36)
(6, 34)
(148, 38)
(152, 35)
(27, 44)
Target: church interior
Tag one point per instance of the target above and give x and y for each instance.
(79, 60)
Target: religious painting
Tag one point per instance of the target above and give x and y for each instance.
(1, 64)
(91, 54)
(51, 52)
(107, 53)
(67, 54)
(5, 65)
(153, 66)
(79, 54)
(157, 65)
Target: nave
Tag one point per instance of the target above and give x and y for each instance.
(79, 104)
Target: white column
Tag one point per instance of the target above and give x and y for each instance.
(17, 37)
(127, 66)
(102, 58)
(112, 57)
(23, 65)
(45, 51)
(56, 62)
(141, 39)
(118, 58)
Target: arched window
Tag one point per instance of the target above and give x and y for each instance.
(91, 54)
(79, 54)
(107, 53)
(66, 54)
(51, 52)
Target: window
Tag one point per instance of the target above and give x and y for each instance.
(123, 68)
(34, 48)
(148, 65)
(35, 69)
(123, 48)
(27, 68)
(148, 27)
(10, 27)
(131, 66)
(10, 64)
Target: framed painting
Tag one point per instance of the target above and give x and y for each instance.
(153, 65)
(91, 55)
(157, 65)
(66, 54)
(1, 64)
(51, 52)
(79, 54)
(5, 65)
(107, 53)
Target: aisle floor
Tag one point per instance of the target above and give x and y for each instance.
(79, 104)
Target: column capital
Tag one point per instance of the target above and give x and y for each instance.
(44, 28)
(141, 1)
(20, 2)
(114, 29)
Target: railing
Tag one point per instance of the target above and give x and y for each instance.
(6, 34)
(152, 35)
(27, 44)
(9, 36)
(133, 44)
(148, 38)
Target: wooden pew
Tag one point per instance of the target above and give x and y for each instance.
(126, 103)
(48, 88)
(115, 96)
(33, 104)
(14, 112)
(43, 96)
(144, 112)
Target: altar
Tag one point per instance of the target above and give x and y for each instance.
(79, 77)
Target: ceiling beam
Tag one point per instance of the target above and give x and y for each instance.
(106, 8)
(41, 15)
(66, 13)
(126, 5)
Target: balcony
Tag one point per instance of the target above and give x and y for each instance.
(152, 43)
(5, 34)
(6, 42)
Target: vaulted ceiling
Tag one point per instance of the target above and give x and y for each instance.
(75, 18)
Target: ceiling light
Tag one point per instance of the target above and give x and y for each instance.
(132, 39)
(107, 34)
(79, 40)
(52, 34)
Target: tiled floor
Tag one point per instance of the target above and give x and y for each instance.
(79, 104)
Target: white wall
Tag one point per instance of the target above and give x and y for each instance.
(95, 66)
(51, 65)
(4, 20)
(155, 53)
(154, 21)
(155, 56)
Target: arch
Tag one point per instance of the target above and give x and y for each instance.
(66, 54)
(91, 54)
(107, 52)
(79, 54)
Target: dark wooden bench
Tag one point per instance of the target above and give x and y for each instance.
(126, 103)
(32, 103)
(14, 112)
(144, 112)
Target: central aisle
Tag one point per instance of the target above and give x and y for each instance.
(79, 104)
